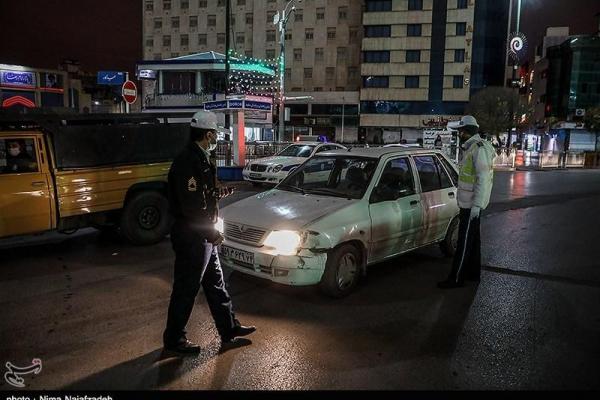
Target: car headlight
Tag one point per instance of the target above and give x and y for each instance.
(277, 168)
(285, 243)
(220, 225)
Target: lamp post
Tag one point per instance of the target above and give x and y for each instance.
(281, 21)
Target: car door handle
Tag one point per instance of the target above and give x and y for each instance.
(451, 194)
(414, 202)
(37, 184)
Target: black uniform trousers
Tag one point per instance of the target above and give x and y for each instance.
(467, 260)
(196, 263)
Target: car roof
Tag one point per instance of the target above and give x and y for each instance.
(378, 152)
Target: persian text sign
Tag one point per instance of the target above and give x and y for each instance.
(17, 78)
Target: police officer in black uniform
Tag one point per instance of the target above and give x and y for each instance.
(193, 200)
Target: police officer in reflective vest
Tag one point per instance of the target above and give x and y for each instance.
(474, 188)
(193, 200)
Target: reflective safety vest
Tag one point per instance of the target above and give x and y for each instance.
(468, 180)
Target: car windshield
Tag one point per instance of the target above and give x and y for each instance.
(336, 176)
(297, 150)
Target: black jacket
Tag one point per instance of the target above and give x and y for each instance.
(192, 190)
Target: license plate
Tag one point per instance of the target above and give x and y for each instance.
(255, 176)
(238, 255)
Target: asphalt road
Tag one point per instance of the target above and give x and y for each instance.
(93, 310)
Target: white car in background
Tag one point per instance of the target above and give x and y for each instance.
(272, 170)
(340, 212)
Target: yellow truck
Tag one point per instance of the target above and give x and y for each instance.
(108, 172)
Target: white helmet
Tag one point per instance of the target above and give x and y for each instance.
(467, 120)
(207, 120)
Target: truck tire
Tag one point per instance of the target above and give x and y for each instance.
(448, 245)
(342, 271)
(145, 219)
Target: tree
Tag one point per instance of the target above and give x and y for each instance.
(498, 110)
(592, 119)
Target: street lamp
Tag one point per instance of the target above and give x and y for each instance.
(281, 20)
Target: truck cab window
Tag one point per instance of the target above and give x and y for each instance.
(17, 156)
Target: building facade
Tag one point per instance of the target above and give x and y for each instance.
(387, 66)
(573, 77)
(323, 48)
(422, 60)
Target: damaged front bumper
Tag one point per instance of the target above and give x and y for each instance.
(304, 269)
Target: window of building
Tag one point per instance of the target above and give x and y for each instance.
(415, 4)
(233, 20)
(299, 16)
(270, 53)
(341, 54)
(288, 36)
(194, 21)
(354, 33)
(157, 23)
(459, 55)
(249, 19)
(288, 73)
(319, 55)
(378, 31)
(413, 30)
(202, 39)
(270, 36)
(166, 40)
(411, 82)
(329, 73)
(149, 5)
(185, 4)
(240, 38)
(297, 54)
(458, 82)
(352, 73)
(221, 3)
(270, 16)
(317, 89)
(184, 40)
(376, 56)
(221, 38)
(166, 4)
(461, 28)
(342, 13)
(157, 56)
(150, 42)
(309, 34)
(379, 5)
(202, 3)
(308, 72)
(376, 81)
(241, 2)
(248, 54)
(331, 33)
(462, 3)
(413, 56)
(211, 20)
(175, 22)
(320, 13)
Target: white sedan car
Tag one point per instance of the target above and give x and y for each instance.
(273, 170)
(340, 212)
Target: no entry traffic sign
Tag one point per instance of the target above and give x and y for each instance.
(129, 92)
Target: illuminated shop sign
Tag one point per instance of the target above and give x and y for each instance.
(17, 78)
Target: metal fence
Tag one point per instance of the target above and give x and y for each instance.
(254, 151)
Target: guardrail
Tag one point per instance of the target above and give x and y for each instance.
(254, 151)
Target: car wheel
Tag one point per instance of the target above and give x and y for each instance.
(450, 242)
(342, 271)
(145, 219)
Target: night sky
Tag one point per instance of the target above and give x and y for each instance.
(107, 34)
